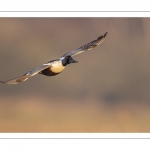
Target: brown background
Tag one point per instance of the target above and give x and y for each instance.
(107, 91)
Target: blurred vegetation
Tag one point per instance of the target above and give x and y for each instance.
(107, 91)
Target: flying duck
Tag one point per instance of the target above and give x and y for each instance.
(54, 67)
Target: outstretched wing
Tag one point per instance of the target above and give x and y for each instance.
(27, 75)
(87, 47)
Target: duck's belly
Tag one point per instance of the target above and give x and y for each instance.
(57, 68)
(54, 70)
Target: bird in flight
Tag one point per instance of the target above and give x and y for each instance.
(56, 66)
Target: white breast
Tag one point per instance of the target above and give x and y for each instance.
(57, 67)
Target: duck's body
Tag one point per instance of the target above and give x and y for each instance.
(55, 67)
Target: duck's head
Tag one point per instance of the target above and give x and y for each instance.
(68, 60)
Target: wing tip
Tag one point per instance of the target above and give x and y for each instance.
(105, 34)
(2, 82)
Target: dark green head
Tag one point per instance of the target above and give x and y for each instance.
(68, 60)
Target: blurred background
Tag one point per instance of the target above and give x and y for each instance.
(108, 90)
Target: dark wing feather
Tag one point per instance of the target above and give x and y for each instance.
(87, 47)
(27, 75)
